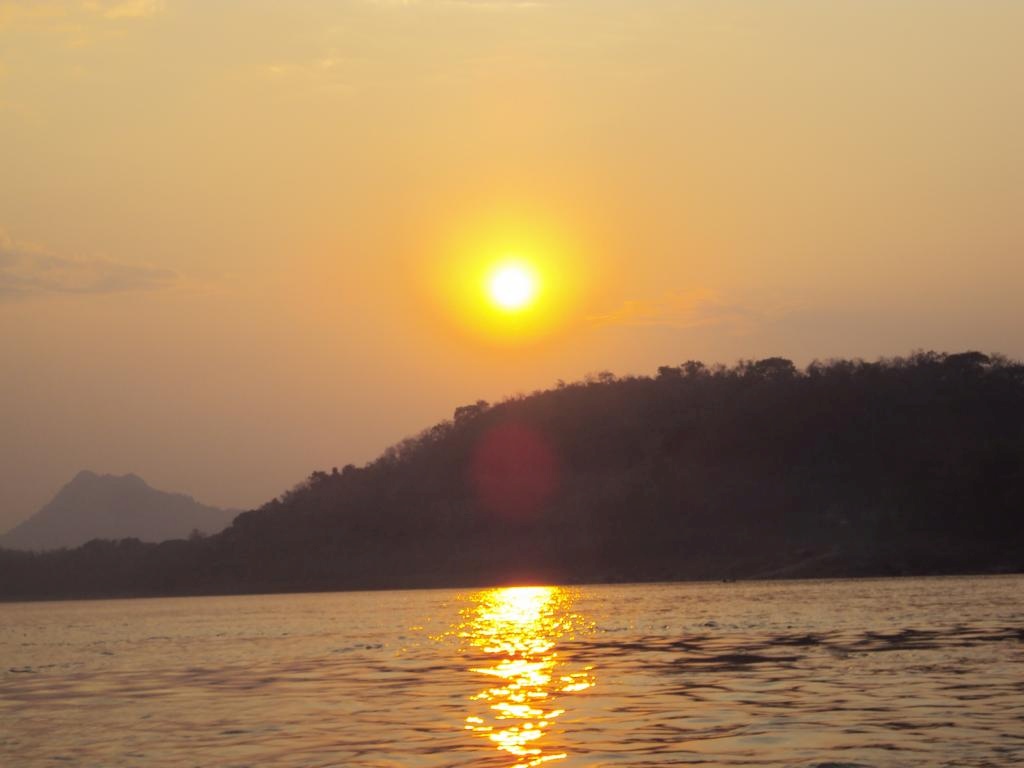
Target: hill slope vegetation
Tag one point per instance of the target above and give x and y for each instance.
(905, 466)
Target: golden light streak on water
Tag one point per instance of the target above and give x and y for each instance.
(903, 672)
(517, 630)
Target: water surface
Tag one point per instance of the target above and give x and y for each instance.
(914, 672)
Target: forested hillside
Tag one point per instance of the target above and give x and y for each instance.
(846, 468)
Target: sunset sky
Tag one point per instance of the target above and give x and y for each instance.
(240, 241)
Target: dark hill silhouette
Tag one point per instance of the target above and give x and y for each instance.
(95, 506)
(848, 468)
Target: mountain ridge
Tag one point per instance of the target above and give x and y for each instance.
(106, 506)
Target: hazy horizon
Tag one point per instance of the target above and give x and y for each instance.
(235, 238)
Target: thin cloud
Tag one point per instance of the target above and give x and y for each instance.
(693, 309)
(76, 23)
(124, 9)
(499, 4)
(480, 4)
(27, 272)
(62, 15)
(330, 72)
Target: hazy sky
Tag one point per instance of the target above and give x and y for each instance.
(235, 236)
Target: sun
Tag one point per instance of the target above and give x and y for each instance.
(512, 286)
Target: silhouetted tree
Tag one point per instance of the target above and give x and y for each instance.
(902, 465)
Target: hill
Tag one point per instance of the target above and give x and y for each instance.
(95, 506)
(847, 468)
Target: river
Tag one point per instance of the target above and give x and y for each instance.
(886, 672)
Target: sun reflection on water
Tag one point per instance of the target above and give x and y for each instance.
(516, 630)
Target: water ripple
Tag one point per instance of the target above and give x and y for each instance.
(923, 672)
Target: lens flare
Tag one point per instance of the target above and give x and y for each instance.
(514, 471)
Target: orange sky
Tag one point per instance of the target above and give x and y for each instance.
(235, 237)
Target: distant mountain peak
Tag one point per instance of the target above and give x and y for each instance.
(107, 506)
(88, 476)
(92, 485)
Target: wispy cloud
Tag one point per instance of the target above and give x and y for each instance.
(329, 73)
(69, 17)
(479, 4)
(12, 11)
(124, 9)
(692, 309)
(500, 3)
(26, 271)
